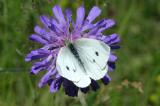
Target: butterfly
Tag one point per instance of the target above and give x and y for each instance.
(83, 60)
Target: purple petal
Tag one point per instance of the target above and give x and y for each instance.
(115, 47)
(87, 27)
(80, 16)
(70, 88)
(38, 66)
(39, 30)
(93, 31)
(68, 13)
(94, 85)
(46, 49)
(56, 30)
(54, 22)
(110, 38)
(106, 80)
(100, 23)
(95, 12)
(85, 90)
(42, 33)
(99, 27)
(114, 39)
(59, 14)
(34, 55)
(30, 57)
(44, 80)
(38, 39)
(111, 66)
(56, 84)
(112, 58)
(108, 24)
(46, 22)
(50, 81)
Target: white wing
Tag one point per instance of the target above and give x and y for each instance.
(94, 55)
(69, 68)
(84, 81)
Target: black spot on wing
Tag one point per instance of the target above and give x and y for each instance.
(97, 54)
(67, 68)
(74, 70)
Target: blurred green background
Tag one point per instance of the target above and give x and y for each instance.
(136, 80)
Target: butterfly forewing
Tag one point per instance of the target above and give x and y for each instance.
(94, 55)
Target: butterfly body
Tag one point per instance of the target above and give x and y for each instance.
(83, 60)
(75, 52)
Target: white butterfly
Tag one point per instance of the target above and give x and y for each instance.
(83, 60)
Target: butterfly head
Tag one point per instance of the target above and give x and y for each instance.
(67, 42)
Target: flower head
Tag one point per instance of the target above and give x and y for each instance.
(56, 33)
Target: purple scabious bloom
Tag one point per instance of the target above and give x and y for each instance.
(52, 37)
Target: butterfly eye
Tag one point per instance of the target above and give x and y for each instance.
(67, 67)
(52, 48)
(97, 54)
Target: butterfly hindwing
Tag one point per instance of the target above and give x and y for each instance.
(84, 81)
(69, 67)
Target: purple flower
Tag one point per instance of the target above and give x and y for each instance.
(52, 37)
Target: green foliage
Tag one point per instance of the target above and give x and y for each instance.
(136, 81)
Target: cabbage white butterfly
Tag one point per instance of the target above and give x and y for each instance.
(83, 60)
